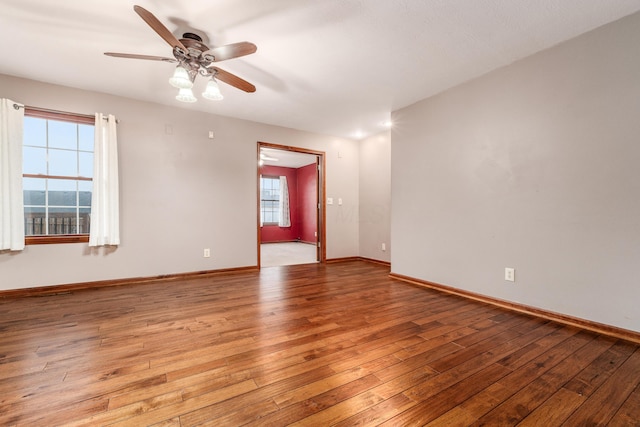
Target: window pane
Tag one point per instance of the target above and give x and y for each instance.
(63, 162)
(33, 184)
(33, 190)
(85, 137)
(270, 188)
(86, 164)
(84, 221)
(84, 196)
(270, 211)
(63, 135)
(35, 132)
(63, 221)
(34, 160)
(62, 192)
(35, 221)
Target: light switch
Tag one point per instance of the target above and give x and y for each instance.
(329, 200)
(340, 201)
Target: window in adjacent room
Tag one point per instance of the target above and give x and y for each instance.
(57, 176)
(269, 199)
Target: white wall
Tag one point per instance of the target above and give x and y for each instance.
(180, 192)
(535, 166)
(375, 196)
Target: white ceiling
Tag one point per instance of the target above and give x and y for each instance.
(287, 159)
(329, 66)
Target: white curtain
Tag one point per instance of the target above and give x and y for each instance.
(285, 217)
(11, 198)
(105, 218)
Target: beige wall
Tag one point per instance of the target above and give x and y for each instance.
(180, 191)
(375, 196)
(535, 166)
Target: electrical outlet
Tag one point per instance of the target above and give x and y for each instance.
(207, 253)
(510, 274)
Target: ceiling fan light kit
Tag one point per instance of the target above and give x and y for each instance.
(193, 58)
(212, 91)
(181, 78)
(186, 95)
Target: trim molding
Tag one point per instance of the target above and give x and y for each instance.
(376, 261)
(358, 258)
(343, 259)
(600, 328)
(63, 289)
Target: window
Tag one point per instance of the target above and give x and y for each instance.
(57, 176)
(269, 199)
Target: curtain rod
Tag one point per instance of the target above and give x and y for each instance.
(47, 110)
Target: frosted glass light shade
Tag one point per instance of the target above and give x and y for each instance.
(180, 79)
(186, 95)
(212, 91)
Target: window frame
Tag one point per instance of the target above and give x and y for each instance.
(61, 117)
(274, 177)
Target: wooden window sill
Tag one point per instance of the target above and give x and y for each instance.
(63, 238)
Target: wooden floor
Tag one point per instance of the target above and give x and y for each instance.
(338, 344)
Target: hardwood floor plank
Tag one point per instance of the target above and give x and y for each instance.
(587, 381)
(445, 400)
(427, 389)
(604, 402)
(377, 414)
(335, 344)
(131, 416)
(559, 364)
(628, 412)
(311, 411)
(307, 391)
(555, 410)
(473, 408)
(238, 417)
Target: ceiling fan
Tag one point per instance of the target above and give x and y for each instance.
(193, 58)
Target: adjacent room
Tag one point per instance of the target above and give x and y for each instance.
(319, 213)
(289, 207)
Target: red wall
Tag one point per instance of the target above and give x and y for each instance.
(302, 202)
(274, 233)
(307, 203)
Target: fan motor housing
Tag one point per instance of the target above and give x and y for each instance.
(193, 41)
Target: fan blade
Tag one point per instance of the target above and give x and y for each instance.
(159, 28)
(233, 80)
(135, 56)
(231, 51)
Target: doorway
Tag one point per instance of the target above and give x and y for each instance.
(291, 209)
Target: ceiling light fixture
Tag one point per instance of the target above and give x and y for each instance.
(193, 58)
(198, 60)
(212, 90)
(181, 78)
(186, 95)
